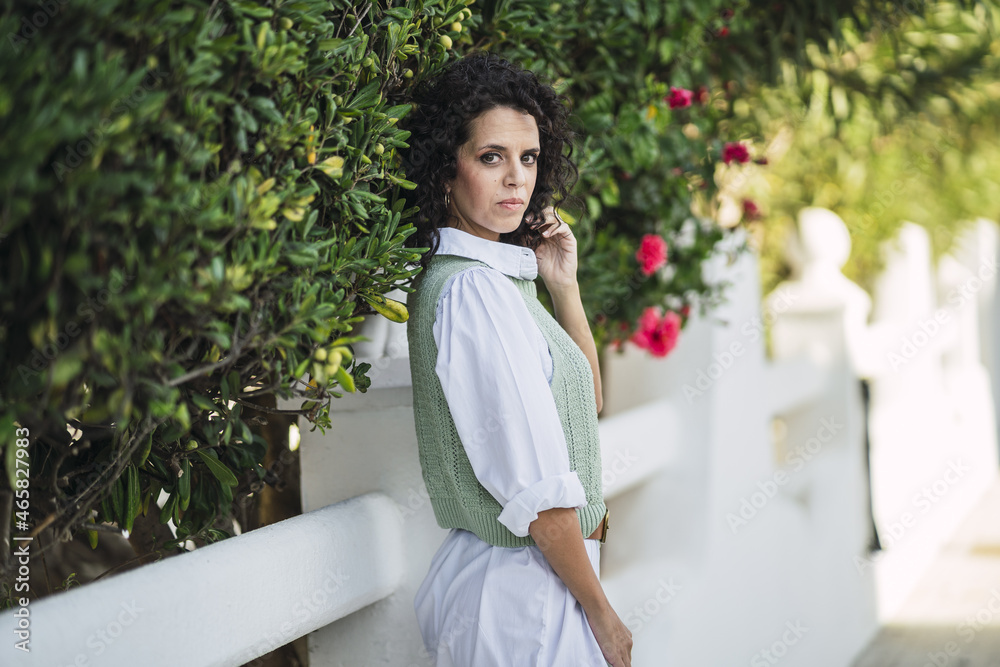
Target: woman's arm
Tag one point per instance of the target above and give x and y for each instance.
(571, 316)
(556, 531)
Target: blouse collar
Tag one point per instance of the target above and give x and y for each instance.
(512, 260)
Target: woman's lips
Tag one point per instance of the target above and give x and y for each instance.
(512, 204)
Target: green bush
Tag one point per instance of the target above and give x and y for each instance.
(202, 199)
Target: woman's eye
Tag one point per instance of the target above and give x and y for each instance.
(530, 158)
(490, 158)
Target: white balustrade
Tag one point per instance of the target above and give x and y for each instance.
(226, 603)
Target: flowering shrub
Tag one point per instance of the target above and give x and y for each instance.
(657, 333)
(652, 253)
(201, 200)
(680, 98)
(737, 152)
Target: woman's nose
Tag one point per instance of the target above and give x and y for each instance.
(515, 175)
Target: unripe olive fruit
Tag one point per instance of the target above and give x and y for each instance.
(445, 41)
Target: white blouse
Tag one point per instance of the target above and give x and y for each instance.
(495, 369)
(482, 605)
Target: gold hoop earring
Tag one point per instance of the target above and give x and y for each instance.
(447, 199)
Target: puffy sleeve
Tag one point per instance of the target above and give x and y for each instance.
(499, 397)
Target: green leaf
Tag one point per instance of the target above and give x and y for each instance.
(219, 469)
(401, 13)
(332, 166)
(184, 483)
(133, 500)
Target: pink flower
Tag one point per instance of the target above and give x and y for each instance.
(656, 334)
(652, 253)
(679, 98)
(736, 152)
(750, 210)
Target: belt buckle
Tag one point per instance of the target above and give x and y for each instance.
(604, 533)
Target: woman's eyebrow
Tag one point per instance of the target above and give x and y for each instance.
(498, 147)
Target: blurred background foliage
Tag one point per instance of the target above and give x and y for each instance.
(201, 200)
(896, 124)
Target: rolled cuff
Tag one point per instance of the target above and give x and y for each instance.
(563, 490)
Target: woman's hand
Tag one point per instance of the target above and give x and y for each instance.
(556, 255)
(613, 637)
(556, 531)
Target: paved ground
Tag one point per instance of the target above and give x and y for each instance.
(953, 618)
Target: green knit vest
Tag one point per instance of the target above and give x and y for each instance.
(458, 499)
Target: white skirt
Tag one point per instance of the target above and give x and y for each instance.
(487, 606)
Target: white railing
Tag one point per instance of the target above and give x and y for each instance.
(226, 603)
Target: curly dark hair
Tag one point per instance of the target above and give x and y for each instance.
(445, 107)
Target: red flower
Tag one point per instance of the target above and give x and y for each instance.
(652, 253)
(727, 14)
(656, 334)
(679, 98)
(750, 210)
(724, 31)
(701, 97)
(736, 152)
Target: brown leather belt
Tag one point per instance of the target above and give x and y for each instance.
(602, 529)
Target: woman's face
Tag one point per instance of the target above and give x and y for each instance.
(495, 173)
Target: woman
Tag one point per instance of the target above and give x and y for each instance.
(505, 396)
